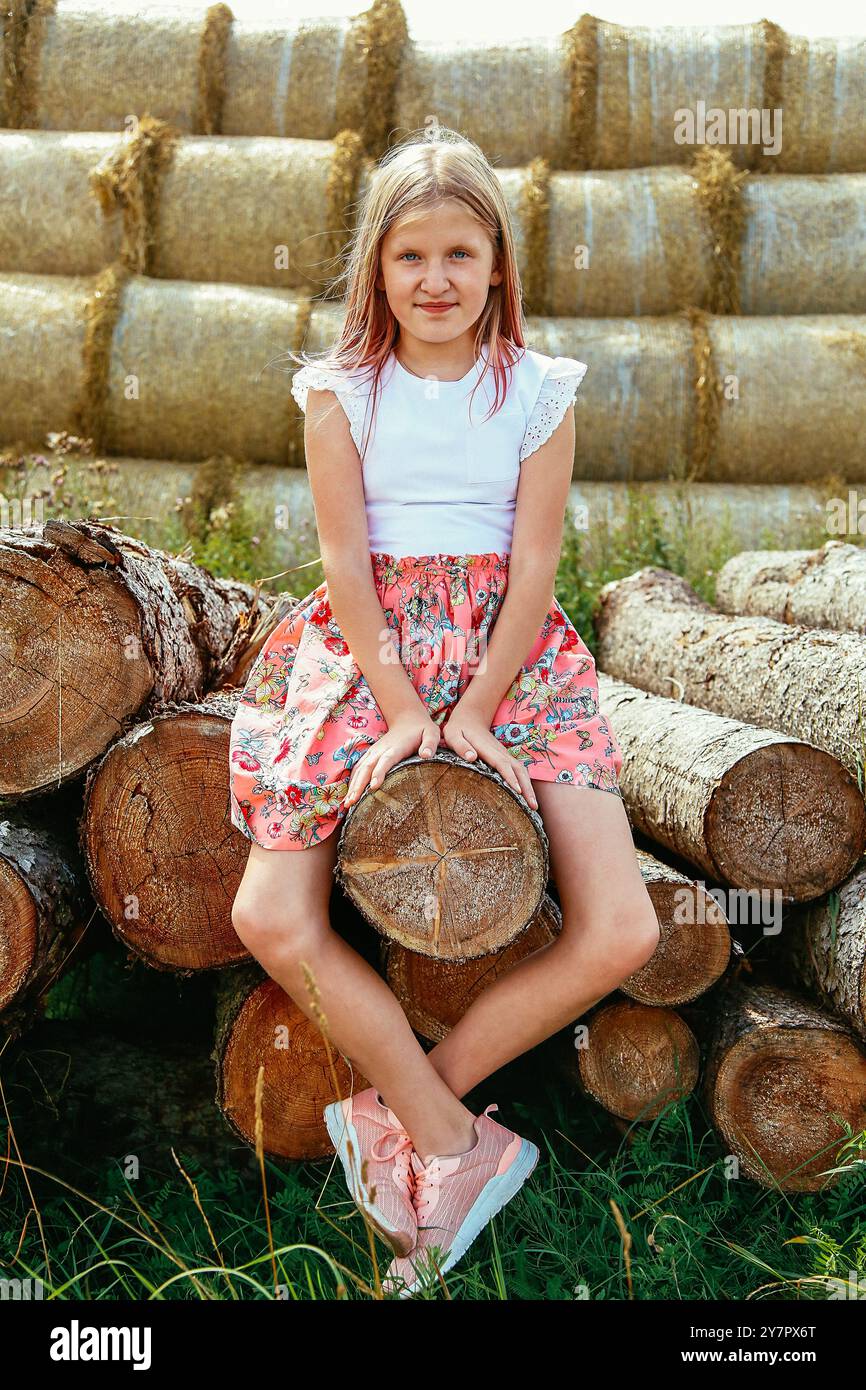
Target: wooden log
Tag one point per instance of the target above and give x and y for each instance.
(809, 588)
(164, 859)
(782, 1075)
(823, 949)
(635, 1059)
(752, 808)
(435, 994)
(44, 911)
(656, 632)
(444, 857)
(694, 948)
(96, 627)
(258, 1024)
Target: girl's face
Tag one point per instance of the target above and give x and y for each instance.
(443, 256)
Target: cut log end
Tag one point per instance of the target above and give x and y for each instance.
(444, 858)
(784, 1078)
(694, 945)
(787, 817)
(269, 1030)
(72, 668)
(19, 936)
(638, 1059)
(779, 1096)
(164, 859)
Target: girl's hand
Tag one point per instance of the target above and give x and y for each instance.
(467, 735)
(412, 733)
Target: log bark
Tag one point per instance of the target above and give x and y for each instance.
(656, 632)
(444, 858)
(435, 994)
(163, 857)
(694, 948)
(753, 808)
(807, 588)
(96, 628)
(635, 1059)
(258, 1024)
(823, 949)
(781, 1073)
(44, 910)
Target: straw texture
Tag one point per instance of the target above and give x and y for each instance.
(179, 369)
(613, 243)
(600, 96)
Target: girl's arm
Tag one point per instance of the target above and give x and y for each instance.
(542, 497)
(336, 482)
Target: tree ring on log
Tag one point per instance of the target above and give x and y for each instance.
(444, 857)
(19, 935)
(787, 817)
(164, 860)
(639, 1059)
(263, 1026)
(73, 667)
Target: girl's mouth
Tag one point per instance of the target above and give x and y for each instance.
(436, 308)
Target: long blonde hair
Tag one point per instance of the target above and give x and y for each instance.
(412, 177)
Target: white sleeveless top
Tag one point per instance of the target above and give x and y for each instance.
(437, 481)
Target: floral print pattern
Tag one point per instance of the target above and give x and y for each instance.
(306, 713)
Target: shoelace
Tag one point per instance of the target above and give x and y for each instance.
(403, 1146)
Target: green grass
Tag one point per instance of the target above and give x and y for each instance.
(690, 1233)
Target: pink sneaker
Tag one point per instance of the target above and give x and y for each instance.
(357, 1126)
(455, 1196)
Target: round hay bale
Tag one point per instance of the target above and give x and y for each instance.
(601, 95)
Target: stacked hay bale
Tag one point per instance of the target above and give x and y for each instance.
(169, 286)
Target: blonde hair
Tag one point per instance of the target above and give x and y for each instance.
(415, 176)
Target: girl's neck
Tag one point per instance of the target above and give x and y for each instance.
(435, 363)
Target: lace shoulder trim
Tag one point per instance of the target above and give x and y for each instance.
(558, 389)
(348, 392)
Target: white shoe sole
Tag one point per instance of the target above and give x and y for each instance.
(342, 1132)
(490, 1200)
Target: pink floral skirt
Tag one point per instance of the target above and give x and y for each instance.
(307, 714)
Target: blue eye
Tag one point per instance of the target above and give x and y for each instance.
(404, 254)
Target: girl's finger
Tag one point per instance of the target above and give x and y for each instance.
(382, 765)
(510, 775)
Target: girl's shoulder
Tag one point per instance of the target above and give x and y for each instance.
(539, 373)
(343, 382)
(546, 387)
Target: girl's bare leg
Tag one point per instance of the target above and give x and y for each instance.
(281, 915)
(609, 930)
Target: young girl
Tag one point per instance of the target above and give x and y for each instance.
(440, 519)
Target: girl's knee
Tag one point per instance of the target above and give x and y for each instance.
(625, 934)
(270, 931)
(643, 936)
